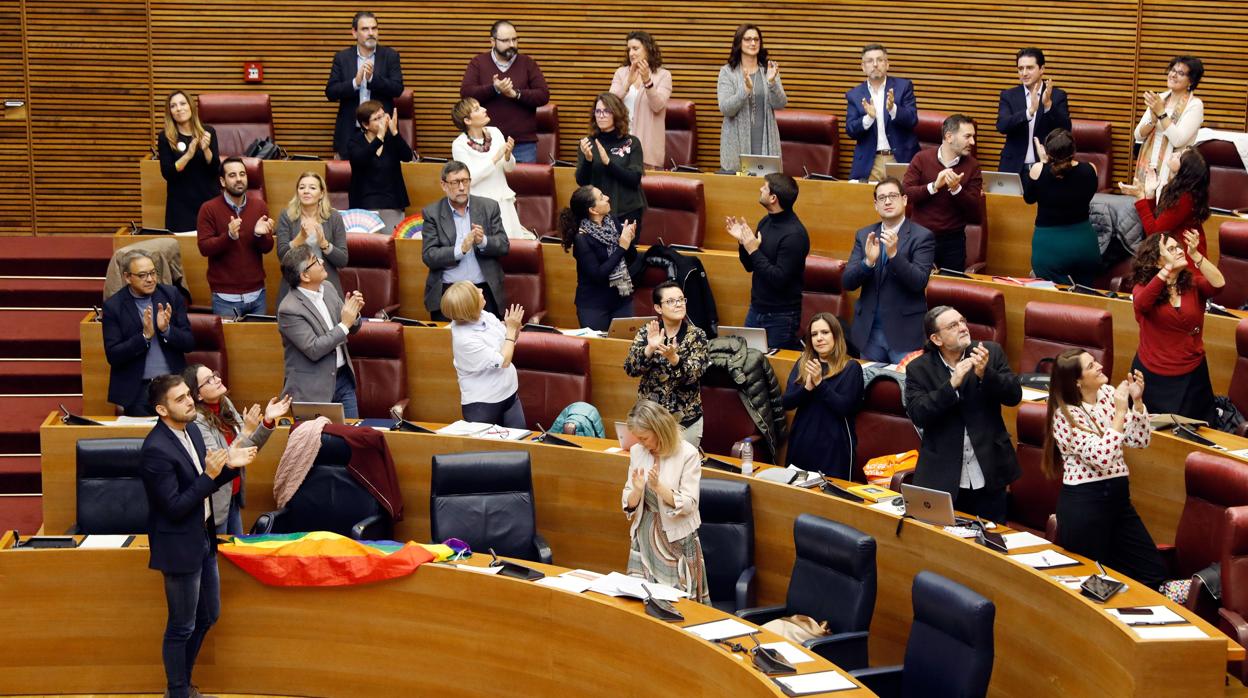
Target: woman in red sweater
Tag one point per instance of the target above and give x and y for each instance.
(1170, 308)
(1183, 203)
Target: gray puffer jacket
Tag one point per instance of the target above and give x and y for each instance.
(750, 372)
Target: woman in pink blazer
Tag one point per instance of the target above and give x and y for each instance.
(645, 86)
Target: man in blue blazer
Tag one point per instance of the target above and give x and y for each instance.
(1029, 111)
(360, 73)
(146, 334)
(885, 99)
(891, 262)
(179, 476)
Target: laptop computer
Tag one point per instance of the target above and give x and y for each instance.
(760, 165)
(624, 435)
(1003, 183)
(627, 327)
(927, 505)
(896, 169)
(755, 337)
(311, 410)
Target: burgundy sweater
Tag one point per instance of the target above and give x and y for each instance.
(234, 266)
(516, 118)
(943, 212)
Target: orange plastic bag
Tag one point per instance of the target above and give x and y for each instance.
(880, 470)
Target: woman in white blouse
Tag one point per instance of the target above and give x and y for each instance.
(488, 156)
(661, 500)
(482, 348)
(1089, 424)
(1171, 119)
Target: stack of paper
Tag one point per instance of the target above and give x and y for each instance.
(818, 682)
(616, 584)
(481, 430)
(721, 629)
(1044, 559)
(575, 581)
(1147, 615)
(1022, 539)
(1170, 632)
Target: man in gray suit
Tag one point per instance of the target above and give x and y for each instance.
(314, 321)
(463, 240)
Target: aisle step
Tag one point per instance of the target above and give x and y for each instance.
(40, 376)
(21, 415)
(57, 255)
(35, 333)
(51, 292)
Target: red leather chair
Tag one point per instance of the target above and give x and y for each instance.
(1234, 558)
(407, 118)
(522, 278)
(255, 183)
(1228, 181)
(1032, 497)
(547, 132)
(681, 139)
(676, 210)
(534, 184)
(1239, 375)
(373, 270)
(927, 130)
(238, 117)
(882, 425)
(983, 307)
(809, 142)
(725, 421)
(1049, 328)
(554, 373)
(643, 290)
(1233, 263)
(338, 183)
(822, 291)
(209, 344)
(1094, 143)
(380, 363)
(977, 240)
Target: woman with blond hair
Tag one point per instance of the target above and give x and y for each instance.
(660, 498)
(825, 387)
(488, 156)
(308, 219)
(482, 348)
(189, 162)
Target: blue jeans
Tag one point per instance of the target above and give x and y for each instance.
(877, 348)
(233, 520)
(600, 318)
(344, 392)
(781, 328)
(194, 602)
(525, 152)
(226, 308)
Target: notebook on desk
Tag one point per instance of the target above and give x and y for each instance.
(760, 165)
(928, 505)
(1008, 183)
(303, 411)
(627, 327)
(755, 337)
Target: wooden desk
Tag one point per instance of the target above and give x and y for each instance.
(1048, 639)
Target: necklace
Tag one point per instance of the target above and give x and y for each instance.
(482, 146)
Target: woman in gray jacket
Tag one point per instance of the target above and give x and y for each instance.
(309, 220)
(749, 93)
(222, 427)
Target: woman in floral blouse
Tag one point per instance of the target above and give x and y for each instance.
(670, 358)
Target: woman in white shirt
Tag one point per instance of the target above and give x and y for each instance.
(488, 156)
(482, 348)
(661, 500)
(1171, 119)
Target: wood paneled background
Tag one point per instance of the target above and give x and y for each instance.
(95, 74)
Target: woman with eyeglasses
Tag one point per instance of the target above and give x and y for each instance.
(1182, 204)
(189, 162)
(222, 427)
(309, 220)
(645, 86)
(482, 348)
(1064, 245)
(605, 253)
(1170, 120)
(611, 159)
(669, 355)
(825, 387)
(749, 93)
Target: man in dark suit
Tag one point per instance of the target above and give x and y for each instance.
(954, 394)
(1029, 111)
(463, 240)
(891, 262)
(880, 100)
(179, 476)
(360, 73)
(146, 334)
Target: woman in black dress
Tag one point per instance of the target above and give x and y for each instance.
(189, 162)
(825, 388)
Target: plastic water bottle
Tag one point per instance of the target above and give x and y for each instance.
(747, 459)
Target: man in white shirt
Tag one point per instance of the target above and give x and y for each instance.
(1029, 111)
(881, 114)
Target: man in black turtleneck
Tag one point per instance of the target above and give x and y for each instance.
(776, 254)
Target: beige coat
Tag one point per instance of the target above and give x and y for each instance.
(682, 472)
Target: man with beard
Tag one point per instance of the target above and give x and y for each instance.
(233, 234)
(463, 240)
(945, 188)
(360, 73)
(511, 86)
(881, 114)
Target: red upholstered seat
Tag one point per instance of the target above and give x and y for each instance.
(522, 278)
(338, 183)
(1213, 484)
(553, 371)
(1033, 497)
(547, 132)
(1049, 328)
(1239, 376)
(1234, 559)
(643, 290)
(1228, 181)
(255, 184)
(238, 117)
(209, 344)
(983, 307)
(809, 142)
(380, 364)
(407, 118)
(534, 184)
(882, 425)
(927, 130)
(372, 269)
(725, 420)
(681, 140)
(821, 289)
(977, 240)
(1094, 143)
(676, 211)
(1233, 263)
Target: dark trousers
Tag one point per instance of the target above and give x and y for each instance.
(140, 407)
(491, 306)
(1096, 520)
(782, 328)
(344, 392)
(194, 602)
(600, 318)
(508, 413)
(951, 250)
(984, 502)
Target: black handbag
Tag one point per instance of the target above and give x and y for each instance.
(265, 149)
(513, 570)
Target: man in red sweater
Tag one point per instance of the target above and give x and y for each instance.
(233, 234)
(945, 186)
(511, 86)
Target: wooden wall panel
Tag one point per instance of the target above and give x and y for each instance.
(15, 209)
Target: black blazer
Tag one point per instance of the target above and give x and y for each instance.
(944, 414)
(1012, 121)
(126, 349)
(385, 86)
(177, 533)
(898, 287)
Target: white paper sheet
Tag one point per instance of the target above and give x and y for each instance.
(1160, 615)
(616, 584)
(1044, 559)
(887, 508)
(1033, 394)
(721, 629)
(1170, 632)
(102, 541)
(1022, 539)
(575, 581)
(480, 570)
(790, 652)
(819, 682)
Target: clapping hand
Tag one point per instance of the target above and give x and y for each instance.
(277, 408)
(205, 143)
(475, 236)
(1135, 386)
(236, 224)
(869, 108)
(643, 71)
(953, 180)
(351, 307)
(239, 457)
(163, 316)
(513, 319)
(654, 336)
(1048, 95)
(749, 82)
(1041, 154)
(890, 240)
(1155, 103)
(586, 148)
(1033, 105)
(1191, 240)
(871, 249)
(1121, 394)
(773, 71)
(251, 419)
(627, 234)
(813, 371)
(602, 153)
(263, 226)
(638, 477)
(889, 100)
(1150, 182)
(393, 122)
(508, 147)
(1133, 189)
(652, 480)
(960, 371)
(667, 349)
(148, 330)
(214, 461)
(979, 355)
(738, 229)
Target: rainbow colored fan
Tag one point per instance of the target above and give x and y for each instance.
(359, 220)
(410, 228)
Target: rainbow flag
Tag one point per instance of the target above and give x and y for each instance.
(410, 228)
(324, 559)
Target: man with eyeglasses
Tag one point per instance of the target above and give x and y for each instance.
(146, 334)
(890, 262)
(463, 239)
(954, 395)
(669, 355)
(511, 86)
(363, 72)
(881, 114)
